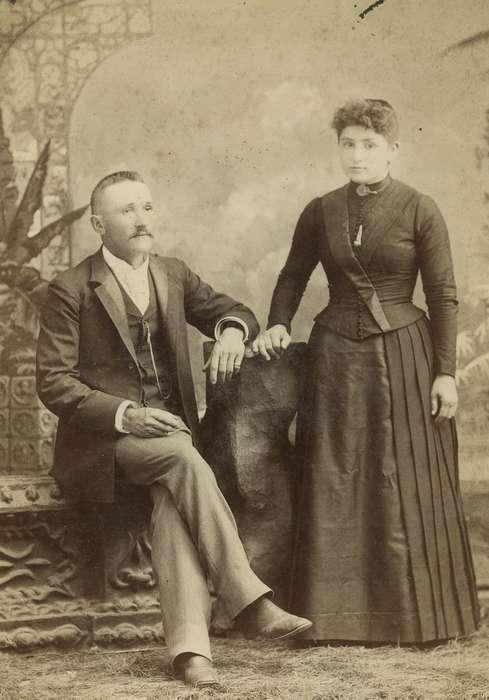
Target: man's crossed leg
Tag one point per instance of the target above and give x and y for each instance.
(194, 534)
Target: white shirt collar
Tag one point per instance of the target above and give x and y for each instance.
(121, 268)
(134, 280)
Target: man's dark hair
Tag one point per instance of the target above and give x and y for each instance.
(374, 114)
(111, 179)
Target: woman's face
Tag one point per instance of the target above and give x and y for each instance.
(365, 155)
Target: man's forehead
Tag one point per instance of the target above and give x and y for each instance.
(125, 192)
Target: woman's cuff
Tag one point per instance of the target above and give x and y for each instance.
(445, 366)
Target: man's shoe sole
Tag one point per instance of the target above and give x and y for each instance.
(186, 675)
(205, 684)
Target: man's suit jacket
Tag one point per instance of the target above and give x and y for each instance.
(86, 362)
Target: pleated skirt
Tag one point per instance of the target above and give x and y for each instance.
(381, 549)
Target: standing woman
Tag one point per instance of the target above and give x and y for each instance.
(381, 550)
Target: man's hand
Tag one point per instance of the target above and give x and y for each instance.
(444, 397)
(227, 355)
(150, 422)
(272, 342)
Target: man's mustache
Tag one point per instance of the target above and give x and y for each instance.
(141, 231)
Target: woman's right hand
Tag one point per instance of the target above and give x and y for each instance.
(272, 343)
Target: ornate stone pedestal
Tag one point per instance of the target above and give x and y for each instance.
(67, 576)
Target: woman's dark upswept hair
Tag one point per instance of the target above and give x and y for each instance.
(378, 115)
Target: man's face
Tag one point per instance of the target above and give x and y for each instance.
(365, 155)
(124, 220)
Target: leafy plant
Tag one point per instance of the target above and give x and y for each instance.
(472, 342)
(22, 289)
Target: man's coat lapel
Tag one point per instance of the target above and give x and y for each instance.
(108, 291)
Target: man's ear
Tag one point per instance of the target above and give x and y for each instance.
(97, 224)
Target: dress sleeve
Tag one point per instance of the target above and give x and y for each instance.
(294, 276)
(435, 263)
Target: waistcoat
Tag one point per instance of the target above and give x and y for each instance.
(148, 334)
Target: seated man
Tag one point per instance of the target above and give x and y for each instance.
(113, 364)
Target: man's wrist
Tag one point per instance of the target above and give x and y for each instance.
(233, 330)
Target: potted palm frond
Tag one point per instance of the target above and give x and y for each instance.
(22, 289)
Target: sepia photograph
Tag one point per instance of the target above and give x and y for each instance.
(244, 349)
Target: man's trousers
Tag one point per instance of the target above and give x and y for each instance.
(194, 535)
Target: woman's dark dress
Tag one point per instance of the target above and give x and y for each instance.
(381, 550)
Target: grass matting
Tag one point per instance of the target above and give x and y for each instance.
(458, 670)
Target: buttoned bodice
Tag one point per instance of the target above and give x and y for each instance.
(404, 234)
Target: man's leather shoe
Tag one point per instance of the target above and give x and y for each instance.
(197, 671)
(265, 620)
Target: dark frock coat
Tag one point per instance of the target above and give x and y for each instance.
(86, 361)
(381, 550)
